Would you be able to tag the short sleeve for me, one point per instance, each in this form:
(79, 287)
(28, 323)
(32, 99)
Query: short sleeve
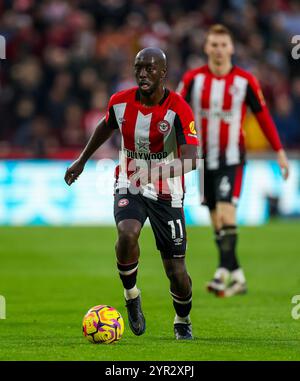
(254, 96)
(185, 86)
(186, 132)
(110, 116)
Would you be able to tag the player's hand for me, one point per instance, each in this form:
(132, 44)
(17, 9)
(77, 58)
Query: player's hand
(141, 175)
(74, 171)
(283, 163)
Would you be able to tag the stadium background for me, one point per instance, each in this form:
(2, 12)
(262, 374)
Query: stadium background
(65, 58)
(63, 61)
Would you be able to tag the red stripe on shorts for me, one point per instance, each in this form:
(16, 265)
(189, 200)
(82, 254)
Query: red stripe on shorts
(238, 181)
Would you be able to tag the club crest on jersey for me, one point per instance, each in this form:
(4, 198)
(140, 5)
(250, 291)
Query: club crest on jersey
(123, 202)
(163, 126)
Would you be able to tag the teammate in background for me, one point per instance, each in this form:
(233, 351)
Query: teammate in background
(155, 124)
(219, 94)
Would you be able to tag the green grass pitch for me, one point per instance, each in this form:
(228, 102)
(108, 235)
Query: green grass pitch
(50, 277)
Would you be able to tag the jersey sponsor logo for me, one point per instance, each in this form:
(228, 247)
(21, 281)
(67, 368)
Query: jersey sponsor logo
(123, 202)
(192, 128)
(224, 186)
(163, 126)
(146, 155)
(226, 116)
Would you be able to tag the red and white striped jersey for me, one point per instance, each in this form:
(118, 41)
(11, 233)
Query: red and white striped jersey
(220, 104)
(151, 135)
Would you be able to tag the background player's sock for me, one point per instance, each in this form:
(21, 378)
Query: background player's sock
(238, 275)
(222, 274)
(128, 274)
(227, 244)
(182, 305)
(217, 238)
(182, 320)
(218, 243)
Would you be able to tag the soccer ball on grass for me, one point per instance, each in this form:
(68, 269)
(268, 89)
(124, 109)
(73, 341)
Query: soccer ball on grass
(103, 324)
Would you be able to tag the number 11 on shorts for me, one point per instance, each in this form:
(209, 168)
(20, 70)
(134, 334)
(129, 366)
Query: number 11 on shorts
(173, 230)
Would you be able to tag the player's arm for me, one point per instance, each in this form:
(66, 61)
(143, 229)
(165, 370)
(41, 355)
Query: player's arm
(185, 86)
(188, 161)
(100, 135)
(256, 102)
(103, 131)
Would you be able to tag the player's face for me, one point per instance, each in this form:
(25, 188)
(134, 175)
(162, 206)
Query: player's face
(149, 75)
(219, 48)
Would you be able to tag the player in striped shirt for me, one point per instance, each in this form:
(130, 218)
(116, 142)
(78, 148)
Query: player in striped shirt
(159, 144)
(219, 94)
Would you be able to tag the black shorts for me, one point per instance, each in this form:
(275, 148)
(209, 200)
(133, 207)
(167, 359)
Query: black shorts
(167, 223)
(222, 185)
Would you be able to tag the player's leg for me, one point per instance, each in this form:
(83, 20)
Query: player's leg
(130, 217)
(168, 226)
(217, 284)
(128, 252)
(228, 248)
(226, 188)
(181, 293)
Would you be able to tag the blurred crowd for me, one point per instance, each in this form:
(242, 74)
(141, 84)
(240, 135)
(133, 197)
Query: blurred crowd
(65, 58)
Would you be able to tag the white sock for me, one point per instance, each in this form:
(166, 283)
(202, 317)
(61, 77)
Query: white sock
(238, 275)
(182, 320)
(131, 293)
(222, 274)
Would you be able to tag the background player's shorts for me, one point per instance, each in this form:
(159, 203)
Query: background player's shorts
(167, 223)
(222, 185)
